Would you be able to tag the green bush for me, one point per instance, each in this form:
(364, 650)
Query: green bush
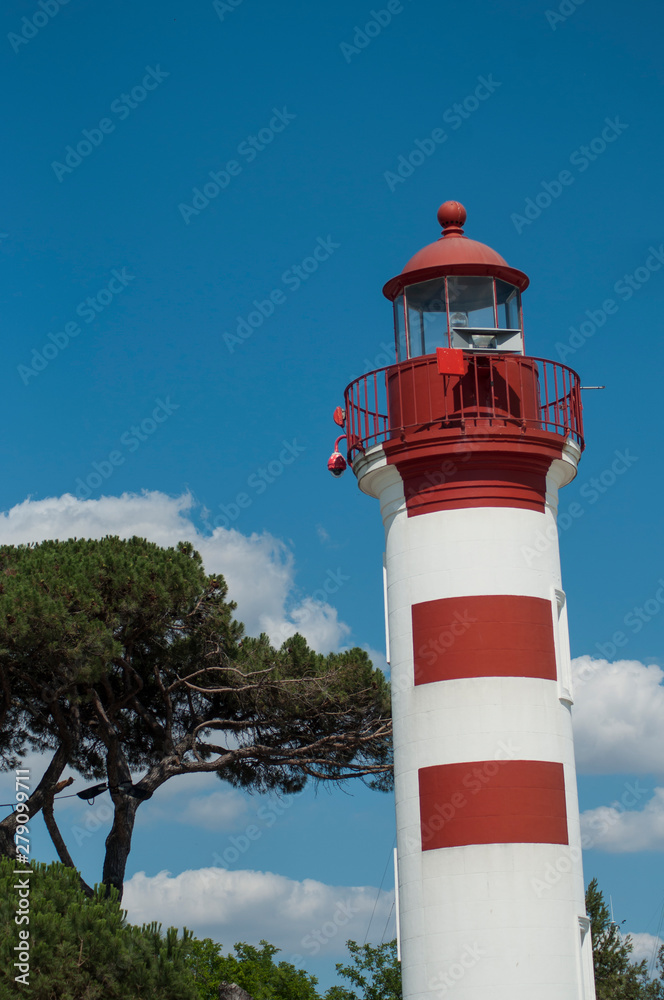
(251, 968)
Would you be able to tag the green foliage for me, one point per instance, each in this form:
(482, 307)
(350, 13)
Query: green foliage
(127, 633)
(337, 702)
(616, 977)
(251, 968)
(374, 972)
(99, 615)
(84, 949)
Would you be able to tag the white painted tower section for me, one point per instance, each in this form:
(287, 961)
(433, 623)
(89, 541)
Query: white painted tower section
(489, 921)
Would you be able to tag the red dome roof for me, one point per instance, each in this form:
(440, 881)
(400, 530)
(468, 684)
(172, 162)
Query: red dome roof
(454, 253)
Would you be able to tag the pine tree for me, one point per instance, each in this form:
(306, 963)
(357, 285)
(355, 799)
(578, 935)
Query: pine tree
(616, 976)
(118, 657)
(82, 948)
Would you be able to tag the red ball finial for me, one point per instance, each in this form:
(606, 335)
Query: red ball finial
(452, 216)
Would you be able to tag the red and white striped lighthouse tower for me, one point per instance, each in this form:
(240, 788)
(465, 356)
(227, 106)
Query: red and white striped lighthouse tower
(465, 441)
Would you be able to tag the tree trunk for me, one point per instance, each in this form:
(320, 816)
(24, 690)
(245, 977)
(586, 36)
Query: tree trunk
(118, 842)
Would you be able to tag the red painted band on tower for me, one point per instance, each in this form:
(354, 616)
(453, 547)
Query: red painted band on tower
(492, 802)
(483, 636)
(483, 481)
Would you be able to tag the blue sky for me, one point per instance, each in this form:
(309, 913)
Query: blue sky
(126, 371)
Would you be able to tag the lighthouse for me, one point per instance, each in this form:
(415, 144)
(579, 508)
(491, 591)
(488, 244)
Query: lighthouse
(466, 441)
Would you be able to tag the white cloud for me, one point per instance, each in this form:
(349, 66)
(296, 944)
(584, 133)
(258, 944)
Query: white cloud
(259, 569)
(304, 918)
(315, 619)
(618, 720)
(199, 800)
(618, 717)
(323, 534)
(224, 810)
(620, 829)
(646, 946)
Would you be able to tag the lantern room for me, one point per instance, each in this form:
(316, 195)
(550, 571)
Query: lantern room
(456, 293)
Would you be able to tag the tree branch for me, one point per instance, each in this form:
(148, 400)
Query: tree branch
(34, 803)
(59, 844)
(224, 669)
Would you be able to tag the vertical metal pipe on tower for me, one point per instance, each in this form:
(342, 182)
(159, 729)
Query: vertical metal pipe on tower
(465, 441)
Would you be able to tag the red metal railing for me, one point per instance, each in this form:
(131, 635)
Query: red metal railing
(501, 391)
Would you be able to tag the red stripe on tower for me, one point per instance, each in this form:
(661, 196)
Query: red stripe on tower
(492, 802)
(489, 479)
(483, 636)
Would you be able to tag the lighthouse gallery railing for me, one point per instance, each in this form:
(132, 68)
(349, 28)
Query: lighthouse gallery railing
(501, 391)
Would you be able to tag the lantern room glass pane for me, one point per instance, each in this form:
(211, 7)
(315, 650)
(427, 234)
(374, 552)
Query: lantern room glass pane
(427, 317)
(400, 328)
(471, 302)
(508, 298)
